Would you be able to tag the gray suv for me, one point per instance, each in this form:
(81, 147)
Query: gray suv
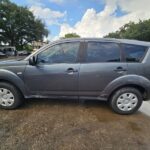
(111, 70)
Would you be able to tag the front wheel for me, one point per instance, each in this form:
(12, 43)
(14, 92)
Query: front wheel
(126, 101)
(10, 96)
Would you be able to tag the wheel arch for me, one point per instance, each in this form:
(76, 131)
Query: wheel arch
(142, 90)
(10, 82)
(139, 82)
(12, 78)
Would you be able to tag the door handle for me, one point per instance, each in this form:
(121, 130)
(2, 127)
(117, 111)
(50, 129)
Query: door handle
(120, 69)
(71, 70)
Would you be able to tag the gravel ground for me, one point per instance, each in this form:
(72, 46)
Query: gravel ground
(70, 125)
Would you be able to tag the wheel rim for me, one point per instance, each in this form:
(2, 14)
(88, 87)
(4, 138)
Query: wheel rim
(127, 101)
(6, 97)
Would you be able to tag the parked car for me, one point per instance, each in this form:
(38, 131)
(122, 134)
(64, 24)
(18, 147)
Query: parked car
(111, 70)
(8, 50)
(23, 53)
(2, 55)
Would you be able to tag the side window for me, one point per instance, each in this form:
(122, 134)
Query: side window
(134, 53)
(61, 53)
(103, 52)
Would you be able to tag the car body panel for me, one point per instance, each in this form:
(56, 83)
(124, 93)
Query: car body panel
(127, 80)
(98, 75)
(52, 79)
(14, 78)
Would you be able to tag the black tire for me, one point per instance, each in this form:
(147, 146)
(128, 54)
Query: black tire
(18, 98)
(114, 100)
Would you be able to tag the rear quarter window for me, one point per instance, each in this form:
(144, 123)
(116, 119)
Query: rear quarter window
(134, 53)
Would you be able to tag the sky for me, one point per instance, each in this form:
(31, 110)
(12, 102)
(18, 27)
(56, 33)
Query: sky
(88, 18)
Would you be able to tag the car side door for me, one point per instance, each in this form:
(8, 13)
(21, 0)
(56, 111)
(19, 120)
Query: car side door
(102, 64)
(56, 71)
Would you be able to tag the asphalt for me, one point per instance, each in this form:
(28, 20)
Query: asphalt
(45, 124)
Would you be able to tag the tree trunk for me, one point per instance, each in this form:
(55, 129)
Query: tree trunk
(12, 43)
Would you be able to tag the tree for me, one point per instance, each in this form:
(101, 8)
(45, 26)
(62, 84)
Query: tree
(18, 25)
(71, 35)
(131, 30)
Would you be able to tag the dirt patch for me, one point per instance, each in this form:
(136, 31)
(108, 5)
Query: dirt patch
(134, 126)
(65, 125)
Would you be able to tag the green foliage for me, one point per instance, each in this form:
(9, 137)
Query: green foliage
(28, 48)
(138, 31)
(71, 35)
(18, 26)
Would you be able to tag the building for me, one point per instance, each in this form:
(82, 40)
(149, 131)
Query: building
(38, 44)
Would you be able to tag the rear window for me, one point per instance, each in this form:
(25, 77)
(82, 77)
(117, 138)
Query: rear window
(103, 52)
(134, 53)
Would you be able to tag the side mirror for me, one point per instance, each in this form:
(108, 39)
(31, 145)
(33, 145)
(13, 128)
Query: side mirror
(33, 60)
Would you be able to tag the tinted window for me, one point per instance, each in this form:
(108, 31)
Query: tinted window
(62, 53)
(134, 53)
(103, 52)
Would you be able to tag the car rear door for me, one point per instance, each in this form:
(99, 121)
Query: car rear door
(102, 64)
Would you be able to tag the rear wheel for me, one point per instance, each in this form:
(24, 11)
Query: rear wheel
(10, 96)
(126, 101)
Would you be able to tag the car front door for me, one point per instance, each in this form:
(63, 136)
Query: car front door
(56, 71)
(103, 64)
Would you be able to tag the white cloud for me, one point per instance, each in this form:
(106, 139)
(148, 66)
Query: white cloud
(46, 14)
(51, 38)
(98, 24)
